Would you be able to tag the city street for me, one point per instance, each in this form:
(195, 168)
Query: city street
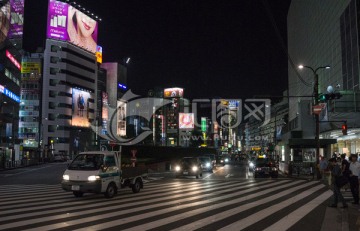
(224, 200)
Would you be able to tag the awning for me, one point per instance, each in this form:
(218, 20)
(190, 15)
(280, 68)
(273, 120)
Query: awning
(310, 143)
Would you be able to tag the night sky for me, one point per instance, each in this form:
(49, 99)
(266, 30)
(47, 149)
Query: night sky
(227, 48)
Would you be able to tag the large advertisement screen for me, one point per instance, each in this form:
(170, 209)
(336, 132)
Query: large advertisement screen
(12, 19)
(173, 92)
(186, 120)
(16, 18)
(69, 24)
(121, 118)
(104, 112)
(80, 108)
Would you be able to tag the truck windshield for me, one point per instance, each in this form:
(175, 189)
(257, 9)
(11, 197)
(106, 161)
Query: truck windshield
(87, 162)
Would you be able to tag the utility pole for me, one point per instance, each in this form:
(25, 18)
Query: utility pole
(317, 126)
(317, 121)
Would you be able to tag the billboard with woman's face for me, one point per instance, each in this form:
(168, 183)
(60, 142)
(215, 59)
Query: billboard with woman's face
(67, 23)
(80, 108)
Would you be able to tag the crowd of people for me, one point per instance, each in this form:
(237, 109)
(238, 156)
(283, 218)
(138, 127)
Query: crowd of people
(345, 172)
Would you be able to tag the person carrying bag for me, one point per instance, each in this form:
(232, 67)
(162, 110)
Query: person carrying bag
(338, 180)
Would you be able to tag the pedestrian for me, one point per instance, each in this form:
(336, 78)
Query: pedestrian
(345, 169)
(323, 165)
(336, 174)
(354, 178)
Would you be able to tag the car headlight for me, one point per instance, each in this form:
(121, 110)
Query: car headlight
(66, 177)
(273, 169)
(221, 161)
(226, 160)
(251, 165)
(208, 165)
(194, 168)
(177, 168)
(93, 178)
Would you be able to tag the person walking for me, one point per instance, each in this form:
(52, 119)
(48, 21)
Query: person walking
(323, 165)
(354, 178)
(336, 173)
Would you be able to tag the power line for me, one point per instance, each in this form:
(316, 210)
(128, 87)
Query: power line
(273, 23)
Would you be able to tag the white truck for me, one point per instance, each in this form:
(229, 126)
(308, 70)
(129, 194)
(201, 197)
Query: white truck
(98, 172)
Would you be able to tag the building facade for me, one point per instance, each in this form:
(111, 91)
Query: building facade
(69, 99)
(323, 33)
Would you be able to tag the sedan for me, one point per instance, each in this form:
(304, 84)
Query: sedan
(189, 166)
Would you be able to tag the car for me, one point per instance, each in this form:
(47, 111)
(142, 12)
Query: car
(251, 163)
(213, 158)
(59, 158)
(224, 159)
(265, 167)
(189, 166)
(206, 163)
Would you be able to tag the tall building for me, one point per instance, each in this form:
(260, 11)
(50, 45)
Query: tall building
(323, 33)
(11, 32)
(69, 81)
(30, 107)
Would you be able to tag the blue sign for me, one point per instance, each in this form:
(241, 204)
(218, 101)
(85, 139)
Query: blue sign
(9, 94)
(122, 86)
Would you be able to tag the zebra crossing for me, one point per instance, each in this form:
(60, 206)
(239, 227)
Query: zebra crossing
(182, 204)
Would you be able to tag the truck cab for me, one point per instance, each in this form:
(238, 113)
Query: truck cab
(98, 172)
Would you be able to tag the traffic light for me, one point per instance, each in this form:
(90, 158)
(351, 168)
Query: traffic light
(324, 97)
(344, 129)
(331, 96)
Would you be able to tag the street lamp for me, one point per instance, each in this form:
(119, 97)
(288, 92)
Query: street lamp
(317, 122)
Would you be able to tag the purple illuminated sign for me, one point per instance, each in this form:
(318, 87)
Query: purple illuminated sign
(69, 24)
(16, 18)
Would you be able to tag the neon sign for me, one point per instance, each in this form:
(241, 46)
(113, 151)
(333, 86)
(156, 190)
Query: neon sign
(13, 60)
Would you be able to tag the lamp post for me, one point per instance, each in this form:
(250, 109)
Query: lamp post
(317, 121)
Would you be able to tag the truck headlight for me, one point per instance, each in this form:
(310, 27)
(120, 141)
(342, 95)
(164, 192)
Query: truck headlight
(93, 178)
(208, 165)
(194, 168)
(177, 168)
(66, 177)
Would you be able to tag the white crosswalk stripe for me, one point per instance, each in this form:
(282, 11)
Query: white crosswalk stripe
(164, 205)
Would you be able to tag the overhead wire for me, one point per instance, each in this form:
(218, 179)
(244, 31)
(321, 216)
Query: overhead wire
(283, 47)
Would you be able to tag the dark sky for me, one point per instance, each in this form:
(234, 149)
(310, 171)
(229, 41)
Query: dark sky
(226, 48)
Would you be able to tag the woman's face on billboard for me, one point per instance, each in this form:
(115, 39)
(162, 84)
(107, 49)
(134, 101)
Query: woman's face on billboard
(86, 25)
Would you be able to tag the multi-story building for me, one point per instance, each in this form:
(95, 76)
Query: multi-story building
(30, 113)
(69, 98)
(11, 31)
(323, 33)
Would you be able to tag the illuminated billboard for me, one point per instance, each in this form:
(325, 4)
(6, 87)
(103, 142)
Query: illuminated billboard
(16, 19)
(121, 118)
(13, 59)
(5, 21)
(104, 112)
(9, 94)
(173, 92)
(98, 54)
(30, 67)
(70, 24)
(80, 108)
(186, 120)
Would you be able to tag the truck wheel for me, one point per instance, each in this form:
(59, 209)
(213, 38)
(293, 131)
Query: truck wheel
(136, 187)
(78, 194)
(110, 191)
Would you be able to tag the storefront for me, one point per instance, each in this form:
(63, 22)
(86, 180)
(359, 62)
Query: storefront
(349, 144)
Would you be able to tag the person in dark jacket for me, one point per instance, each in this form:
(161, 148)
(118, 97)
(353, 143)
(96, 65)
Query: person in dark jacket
(336, 172)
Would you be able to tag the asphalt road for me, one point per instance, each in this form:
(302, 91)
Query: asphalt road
(52, 174)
